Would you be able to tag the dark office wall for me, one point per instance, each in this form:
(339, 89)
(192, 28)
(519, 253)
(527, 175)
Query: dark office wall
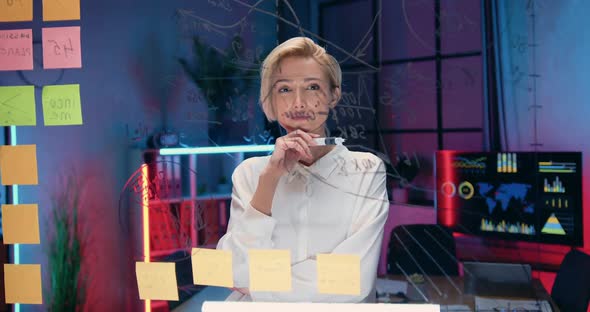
(544, 60)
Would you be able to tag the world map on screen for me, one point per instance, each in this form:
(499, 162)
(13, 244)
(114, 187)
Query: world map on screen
(504, 193)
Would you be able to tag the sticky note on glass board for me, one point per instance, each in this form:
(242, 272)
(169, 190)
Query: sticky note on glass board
(212, 267)
(16, 10)
(23, 283)
(18, 164)
(17, 106)
(270, 270)
(20, 224)
(61, 47)
(61, 105)
(61, 10)
(16, 49)
(339, 274)
(156, 280)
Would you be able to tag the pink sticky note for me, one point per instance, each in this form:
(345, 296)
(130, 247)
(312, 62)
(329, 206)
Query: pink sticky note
(16, 49)
(61, 47)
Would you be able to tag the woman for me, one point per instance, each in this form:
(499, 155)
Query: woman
(307, 198)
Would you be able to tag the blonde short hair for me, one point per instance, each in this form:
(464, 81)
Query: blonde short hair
(298, 46)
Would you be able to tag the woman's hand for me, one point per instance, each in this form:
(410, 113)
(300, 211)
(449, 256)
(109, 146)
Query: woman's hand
(289, 149)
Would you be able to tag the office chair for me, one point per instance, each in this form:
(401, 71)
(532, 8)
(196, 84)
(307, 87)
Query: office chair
(571, 289)
(423, 249)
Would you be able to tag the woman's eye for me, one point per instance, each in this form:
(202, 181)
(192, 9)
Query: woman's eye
(313, 87)
(283, 90)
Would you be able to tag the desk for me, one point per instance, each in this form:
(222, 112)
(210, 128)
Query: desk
(449, 295)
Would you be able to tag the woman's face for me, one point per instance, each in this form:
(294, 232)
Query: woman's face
(301, 94)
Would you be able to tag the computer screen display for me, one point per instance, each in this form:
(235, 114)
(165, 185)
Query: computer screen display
(530, 196)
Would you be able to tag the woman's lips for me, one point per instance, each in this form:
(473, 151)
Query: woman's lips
(300, 115)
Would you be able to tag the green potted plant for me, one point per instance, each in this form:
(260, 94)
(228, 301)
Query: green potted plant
(223, 186)
(67, 290)
(202, 189)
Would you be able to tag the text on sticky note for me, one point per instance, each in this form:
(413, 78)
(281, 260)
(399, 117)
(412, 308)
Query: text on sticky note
(270, 270)
(23, 283)
(212, 267)
(16, 49)
(18, 164)
(61, 105)
(61, 47)
(156, 280)
(17, 106)
(20, 224)
(16, 10)
(339, 274)
(61, 10)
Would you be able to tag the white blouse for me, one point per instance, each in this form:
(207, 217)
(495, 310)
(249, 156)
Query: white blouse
(337, 205)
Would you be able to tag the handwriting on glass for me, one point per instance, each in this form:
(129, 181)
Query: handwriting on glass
(138, 133)
(223, 4)
(346, 167)
(157, 188)
(262, 138)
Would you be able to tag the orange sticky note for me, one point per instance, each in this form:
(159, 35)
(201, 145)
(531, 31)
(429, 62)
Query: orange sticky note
(212, 267)
(23, 283)
(17, 106)
(61, 47)
(156, 280)
(61, 10)
(18, 164)
(270, 270)
(21, 224)
(339, 274)
(61, 105)
(16, 49)
(16, 10)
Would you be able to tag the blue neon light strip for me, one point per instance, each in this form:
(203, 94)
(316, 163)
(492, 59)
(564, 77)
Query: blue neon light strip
(15, 199)
(15, 187)
(16, 247)
(217, 149)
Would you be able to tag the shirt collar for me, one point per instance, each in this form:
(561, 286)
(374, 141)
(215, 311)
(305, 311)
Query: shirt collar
(324, 166)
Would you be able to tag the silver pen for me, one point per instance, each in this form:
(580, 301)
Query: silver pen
(329, 141)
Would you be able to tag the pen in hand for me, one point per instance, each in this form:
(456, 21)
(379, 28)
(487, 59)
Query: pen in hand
(329, 141)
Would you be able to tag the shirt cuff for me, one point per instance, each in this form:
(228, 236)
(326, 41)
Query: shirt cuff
(257, 223)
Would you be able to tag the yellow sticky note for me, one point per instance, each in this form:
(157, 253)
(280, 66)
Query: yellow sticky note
(61, 10)
(23, 283)
(17, 106)
(16, 10)
(270, 270)
(18, 164)
(21, 224)
(61, 105)
(212, 267)
(339, 274)
(156, 280)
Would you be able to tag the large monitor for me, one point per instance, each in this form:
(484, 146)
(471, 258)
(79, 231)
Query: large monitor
(530, 196)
